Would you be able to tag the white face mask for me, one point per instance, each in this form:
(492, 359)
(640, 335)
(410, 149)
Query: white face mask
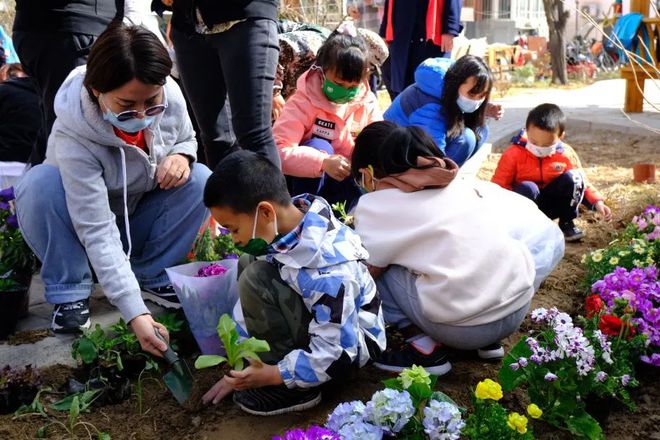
(541, 151)
(468, 105)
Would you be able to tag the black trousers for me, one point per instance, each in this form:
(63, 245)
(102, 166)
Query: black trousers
(49, 58)
(560, 199)
(238, 64)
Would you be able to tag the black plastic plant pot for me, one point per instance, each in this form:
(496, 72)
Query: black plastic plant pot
(13, 305)
(599, 408)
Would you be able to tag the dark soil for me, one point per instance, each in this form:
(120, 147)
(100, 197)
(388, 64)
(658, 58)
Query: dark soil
(28, 336)
(609, 169)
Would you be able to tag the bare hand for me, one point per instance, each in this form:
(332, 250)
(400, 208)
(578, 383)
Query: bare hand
(143, 326)
(447, 42)
(257, 375)
(337, 167)
(376, 271)
(219, 391)
(173, 171)
(278, 105)
(495, 111)
(604, 210)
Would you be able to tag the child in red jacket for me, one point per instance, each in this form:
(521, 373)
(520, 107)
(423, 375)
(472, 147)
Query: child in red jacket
(539, 166)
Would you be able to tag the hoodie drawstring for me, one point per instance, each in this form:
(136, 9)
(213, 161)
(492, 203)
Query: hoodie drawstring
(127, 225)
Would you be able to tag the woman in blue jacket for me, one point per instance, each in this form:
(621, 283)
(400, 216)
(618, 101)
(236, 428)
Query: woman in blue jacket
(450, 101)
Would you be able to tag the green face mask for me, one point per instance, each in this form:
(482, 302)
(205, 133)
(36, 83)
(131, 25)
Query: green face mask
(338, 94)
(258, 246)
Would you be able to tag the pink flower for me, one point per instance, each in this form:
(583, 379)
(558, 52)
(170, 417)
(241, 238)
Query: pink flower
(211, 270)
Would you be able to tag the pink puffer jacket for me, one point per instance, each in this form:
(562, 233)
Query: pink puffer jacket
(308, 113)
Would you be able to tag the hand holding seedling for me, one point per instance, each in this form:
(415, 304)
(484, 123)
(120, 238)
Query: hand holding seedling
(604, 210)
(256, 375)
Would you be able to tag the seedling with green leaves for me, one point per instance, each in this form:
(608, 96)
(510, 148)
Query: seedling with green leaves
(237, 351)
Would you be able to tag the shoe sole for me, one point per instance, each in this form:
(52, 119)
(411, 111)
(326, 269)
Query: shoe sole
(491, 354)
(574, 238)
(68, 330)
(438, 370)
(160, 300)
(300, 407)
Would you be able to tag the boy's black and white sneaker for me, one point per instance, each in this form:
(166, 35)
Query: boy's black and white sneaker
(492, 351)
(71, 317)
(276, 400)
(397, 360)
(571, 232)
(163, 296)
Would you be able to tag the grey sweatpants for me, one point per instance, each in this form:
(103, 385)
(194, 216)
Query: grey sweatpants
(401, 306)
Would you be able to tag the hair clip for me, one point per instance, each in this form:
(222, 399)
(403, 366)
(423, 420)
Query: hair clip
(347, 28)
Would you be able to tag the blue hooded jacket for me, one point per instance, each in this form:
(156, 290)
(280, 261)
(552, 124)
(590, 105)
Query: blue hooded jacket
(420, 105)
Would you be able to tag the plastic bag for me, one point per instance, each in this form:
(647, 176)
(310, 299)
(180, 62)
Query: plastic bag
(205, 299)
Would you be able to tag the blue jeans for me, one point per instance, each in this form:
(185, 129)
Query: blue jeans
(331, 190)
(163, 229)
(397, 288)
(463, 147)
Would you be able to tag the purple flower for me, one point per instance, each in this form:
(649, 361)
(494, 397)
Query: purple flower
(625, 379)
(550, 377)
(312, 433)
(4, 206)
(654, 359)
(7, 194)
(514, 366)
(12, 222)
(536, 359)
(601, 376)
(211, 270)
(522, 362)
(231, 257)
(223, 231)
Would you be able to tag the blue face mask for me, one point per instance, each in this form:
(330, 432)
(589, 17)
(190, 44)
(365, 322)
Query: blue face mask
(468, 105)
(130, 126)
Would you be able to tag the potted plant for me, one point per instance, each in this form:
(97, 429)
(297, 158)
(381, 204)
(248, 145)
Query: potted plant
(16, 267)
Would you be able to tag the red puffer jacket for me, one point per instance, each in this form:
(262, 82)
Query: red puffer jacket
(517, 165)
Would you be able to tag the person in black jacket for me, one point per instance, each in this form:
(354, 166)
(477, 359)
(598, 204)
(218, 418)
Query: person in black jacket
(52, 38)
(228, 49)
(19, 114)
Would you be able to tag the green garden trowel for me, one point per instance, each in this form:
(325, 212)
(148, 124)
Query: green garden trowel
(179, 379)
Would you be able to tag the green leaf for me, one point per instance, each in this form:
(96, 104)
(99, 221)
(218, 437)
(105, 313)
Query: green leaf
(41, 432)
(246, 354)
(103, 436)
(206, 361)
(225, 326)
(239, 364)
(585, 425)
(86, 350)
(74, 412)
(254, 344)
(508, 378)
(393, 384)
(442, 397)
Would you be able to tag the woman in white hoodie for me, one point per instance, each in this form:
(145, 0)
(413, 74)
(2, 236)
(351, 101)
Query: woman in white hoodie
(119, 188)
(456, 262)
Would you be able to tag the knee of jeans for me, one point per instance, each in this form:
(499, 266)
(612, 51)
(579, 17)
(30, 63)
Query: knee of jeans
(41, 187)
(199, 174)
(527, 189)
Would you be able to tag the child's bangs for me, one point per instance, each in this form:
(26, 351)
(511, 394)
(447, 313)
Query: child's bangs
(483, 83)
(350, 64)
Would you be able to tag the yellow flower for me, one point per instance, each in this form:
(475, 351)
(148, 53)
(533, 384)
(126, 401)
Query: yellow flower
(614, 261)
(534, 411)
(596, 256)
(638, 263)
(638, 249)
(623, 253)
(649, 261)
(517, 422)
(583, 259)
(488, 389)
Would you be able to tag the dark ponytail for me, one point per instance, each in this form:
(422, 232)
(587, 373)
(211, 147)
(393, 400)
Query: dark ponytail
(391, 149)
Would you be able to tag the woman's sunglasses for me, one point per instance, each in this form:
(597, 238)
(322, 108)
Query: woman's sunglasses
(131, 114)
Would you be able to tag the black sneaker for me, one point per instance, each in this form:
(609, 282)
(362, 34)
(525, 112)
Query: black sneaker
(398, 360)
(571, 232)
(163, 296)
(71, 317)
(276, 400)
(492, 351)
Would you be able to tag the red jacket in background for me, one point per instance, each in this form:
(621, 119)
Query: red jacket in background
(517, 165)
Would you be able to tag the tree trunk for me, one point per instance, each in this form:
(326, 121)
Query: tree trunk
(557, 18)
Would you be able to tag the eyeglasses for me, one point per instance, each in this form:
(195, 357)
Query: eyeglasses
(130, 114)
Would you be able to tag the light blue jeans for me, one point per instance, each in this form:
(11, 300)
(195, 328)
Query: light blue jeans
(401, 307)
(163, 229)
(463, 147)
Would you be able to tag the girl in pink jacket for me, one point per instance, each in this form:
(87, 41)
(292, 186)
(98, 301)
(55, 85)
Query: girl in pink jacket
(315, 132)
